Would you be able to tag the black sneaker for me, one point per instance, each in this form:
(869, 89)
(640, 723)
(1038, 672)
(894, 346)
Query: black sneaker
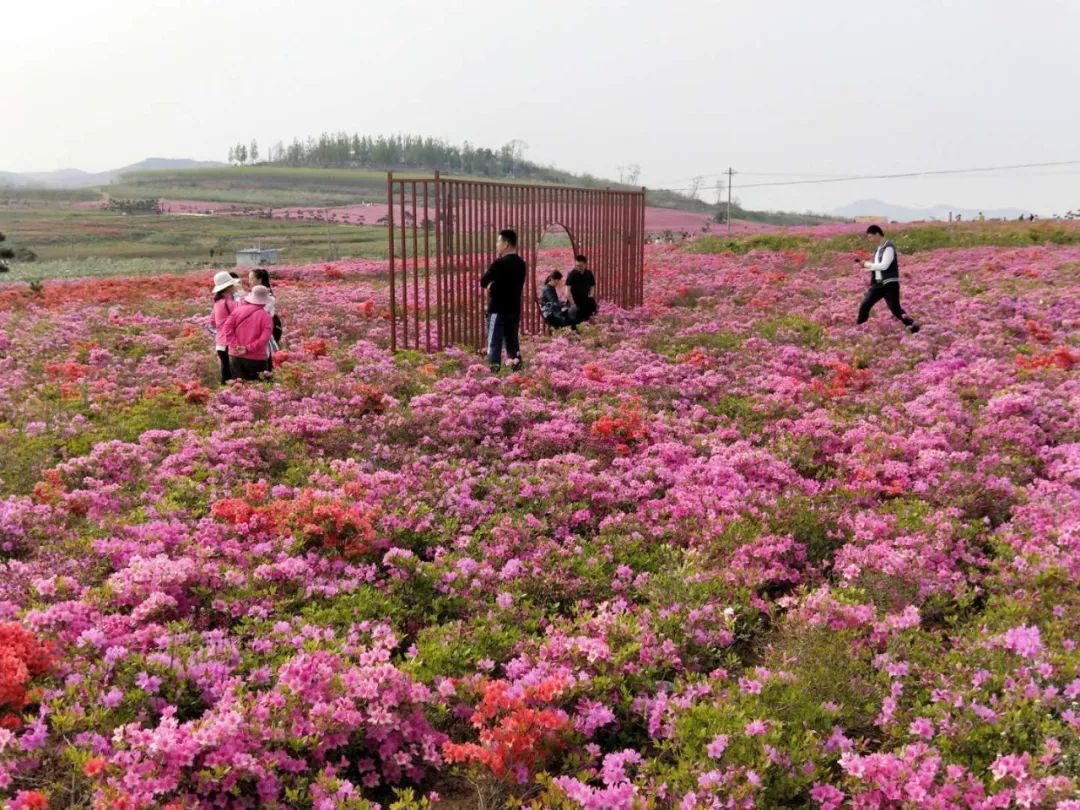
(914, 328)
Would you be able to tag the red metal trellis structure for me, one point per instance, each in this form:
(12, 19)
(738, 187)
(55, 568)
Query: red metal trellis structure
(442, 237)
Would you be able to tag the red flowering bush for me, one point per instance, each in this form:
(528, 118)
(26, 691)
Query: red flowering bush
(322, 520)
(316, 347)
(22, 657)
(69, 371)
(315, 519)
(29, 800)
(623, 428)
(367, 399)
(844, 377)
(194, 392)
(1061, 357)
(520, 730)
(1038, 332)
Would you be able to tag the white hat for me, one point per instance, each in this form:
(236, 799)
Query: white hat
(223, 279)
(259, 295)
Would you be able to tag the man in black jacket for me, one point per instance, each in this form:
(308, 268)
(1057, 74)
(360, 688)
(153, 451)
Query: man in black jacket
(884, 280)
(504, 281)
(582, 284)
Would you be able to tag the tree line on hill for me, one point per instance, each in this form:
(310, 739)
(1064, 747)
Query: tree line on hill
(392, 152)
(341, 150)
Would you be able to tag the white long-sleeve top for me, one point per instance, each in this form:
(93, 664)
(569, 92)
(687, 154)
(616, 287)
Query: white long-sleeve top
(883, 258)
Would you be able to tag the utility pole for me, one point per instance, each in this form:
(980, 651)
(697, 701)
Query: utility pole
(730, 172)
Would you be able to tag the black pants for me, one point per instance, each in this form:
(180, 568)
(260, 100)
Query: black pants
(226, 368)
(891, 294)
(503, 329)
(559, 320)
(244, 368)
(586, 308)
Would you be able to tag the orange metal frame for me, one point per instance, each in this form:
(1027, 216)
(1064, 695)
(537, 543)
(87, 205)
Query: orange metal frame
(442, 234)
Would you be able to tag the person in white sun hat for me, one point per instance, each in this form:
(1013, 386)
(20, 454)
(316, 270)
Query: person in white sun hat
(247, 333)
(226, 286)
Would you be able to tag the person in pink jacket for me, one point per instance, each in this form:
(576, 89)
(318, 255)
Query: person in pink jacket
(247, 332)
(225, 284)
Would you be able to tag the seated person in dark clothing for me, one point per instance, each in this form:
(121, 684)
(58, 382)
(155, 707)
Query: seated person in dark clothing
(556, 311)
(582, 285)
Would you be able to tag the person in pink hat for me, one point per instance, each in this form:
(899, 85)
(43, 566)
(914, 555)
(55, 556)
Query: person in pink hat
(247, 333)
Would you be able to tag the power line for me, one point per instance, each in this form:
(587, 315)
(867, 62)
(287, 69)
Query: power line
(934, 172)
(750, 174)
(894, 176)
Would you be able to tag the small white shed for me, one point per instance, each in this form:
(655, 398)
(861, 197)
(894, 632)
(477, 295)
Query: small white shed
(253, 257)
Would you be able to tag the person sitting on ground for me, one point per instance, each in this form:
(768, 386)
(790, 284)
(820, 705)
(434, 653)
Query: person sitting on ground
(884, 280)
(556, 312)
(247, 332)
(582, 284)
(225, 287)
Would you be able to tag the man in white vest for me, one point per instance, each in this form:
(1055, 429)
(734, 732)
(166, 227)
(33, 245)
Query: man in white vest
(884, 280)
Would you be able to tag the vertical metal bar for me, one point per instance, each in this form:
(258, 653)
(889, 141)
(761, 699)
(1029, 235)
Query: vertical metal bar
(496, 214)
(623, 264)
(641, 252)
(628, 240)
(405, 272)
(542, 216)
(631, 247)
(416, 271)
(615, 253)
(594, 217)
(390, 257)
(500, 215)
(628, 229)
(452, 304)
(481, 252)
(601, 241)
(580, 214)
(487, 239)
(427, 267)
(474, 283)
(505, 216)
(446, 187)
(586, 226)
(532, 207)
(612, 241)
(459, 258)
(466, 273)
(438, 264)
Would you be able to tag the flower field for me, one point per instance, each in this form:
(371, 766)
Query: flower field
(725, 551)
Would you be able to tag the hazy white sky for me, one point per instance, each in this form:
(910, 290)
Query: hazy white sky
(681, 87)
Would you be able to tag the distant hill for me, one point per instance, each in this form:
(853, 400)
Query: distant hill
(77, 178)
(901, 213)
